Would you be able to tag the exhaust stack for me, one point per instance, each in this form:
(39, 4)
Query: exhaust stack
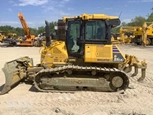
(47, 30)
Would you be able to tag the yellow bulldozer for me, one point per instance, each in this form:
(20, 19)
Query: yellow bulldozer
(144, 35)
(80, 57)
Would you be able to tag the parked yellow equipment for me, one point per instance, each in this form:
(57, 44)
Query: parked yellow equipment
(115, 39)
(2, 36)
(144, 34)
(84, 59)
(7, 37)
(127, 33)
(147, 34)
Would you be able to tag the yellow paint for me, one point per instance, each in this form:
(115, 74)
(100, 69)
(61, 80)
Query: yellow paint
(98, 53)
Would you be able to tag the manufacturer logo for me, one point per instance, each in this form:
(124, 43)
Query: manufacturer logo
(116, 58)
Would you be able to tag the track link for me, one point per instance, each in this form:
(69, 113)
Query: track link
(107, 76)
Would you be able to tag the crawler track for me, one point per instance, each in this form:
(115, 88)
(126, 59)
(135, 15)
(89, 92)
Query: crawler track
(60, 79)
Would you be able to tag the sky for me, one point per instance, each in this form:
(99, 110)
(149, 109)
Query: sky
(37, 11)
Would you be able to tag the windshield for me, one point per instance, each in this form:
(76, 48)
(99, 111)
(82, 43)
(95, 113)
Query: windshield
(95, 30)
(73, 34)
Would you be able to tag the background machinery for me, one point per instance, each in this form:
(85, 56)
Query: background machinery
(147, 33)
(127, 33)
(80, 58)
(28, 39)
(58, 30)
(144, 34)
(2, 36)
(115, 39)
(9, 38)
(40, 40)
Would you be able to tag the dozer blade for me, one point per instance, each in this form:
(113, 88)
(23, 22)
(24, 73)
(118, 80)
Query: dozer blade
(15, 71)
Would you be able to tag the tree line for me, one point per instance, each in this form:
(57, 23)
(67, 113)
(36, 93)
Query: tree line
(19, 31)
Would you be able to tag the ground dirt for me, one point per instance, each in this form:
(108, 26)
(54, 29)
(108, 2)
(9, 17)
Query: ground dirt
(24, 100)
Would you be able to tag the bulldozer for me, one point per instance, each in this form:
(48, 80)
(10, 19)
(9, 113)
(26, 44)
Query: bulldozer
(80, 57)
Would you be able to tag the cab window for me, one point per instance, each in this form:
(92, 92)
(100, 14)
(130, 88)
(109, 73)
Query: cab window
(95, 30)
(73, 34)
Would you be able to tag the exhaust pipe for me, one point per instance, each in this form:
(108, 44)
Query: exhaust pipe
(47, 30)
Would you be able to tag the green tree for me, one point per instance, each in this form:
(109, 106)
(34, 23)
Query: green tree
(115, 30)
(41, 29)
(19, 31)
(52, 25)
(150, 18)
(33, 31)
(124, 24)
(137, 21)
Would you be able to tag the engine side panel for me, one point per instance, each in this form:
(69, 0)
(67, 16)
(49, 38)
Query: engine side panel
(103, 53)
(55, 53)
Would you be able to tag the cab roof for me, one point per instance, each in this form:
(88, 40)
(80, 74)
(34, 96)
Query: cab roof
(91, 16)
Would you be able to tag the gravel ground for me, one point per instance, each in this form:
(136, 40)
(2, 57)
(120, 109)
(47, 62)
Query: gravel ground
(23, 100)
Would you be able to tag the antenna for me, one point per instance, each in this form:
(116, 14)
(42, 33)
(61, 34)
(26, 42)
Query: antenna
(120, 14)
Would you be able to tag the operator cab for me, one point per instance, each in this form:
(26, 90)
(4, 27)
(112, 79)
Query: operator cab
(80, 32)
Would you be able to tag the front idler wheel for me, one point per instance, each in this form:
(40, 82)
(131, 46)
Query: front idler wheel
(119, 82)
